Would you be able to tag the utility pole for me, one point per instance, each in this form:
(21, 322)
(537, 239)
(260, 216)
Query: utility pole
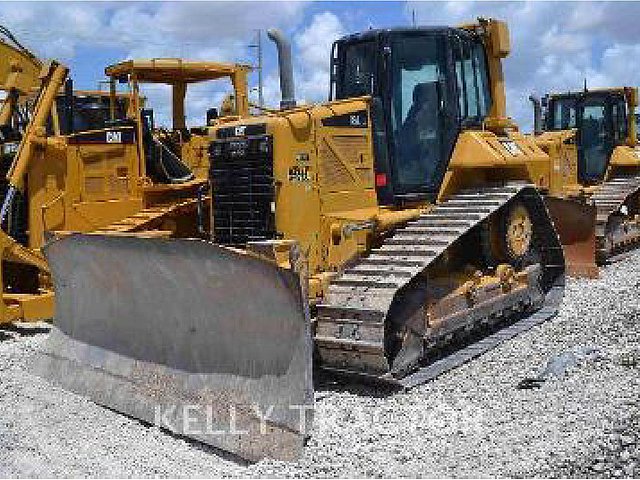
(258, 46)
(413, 17)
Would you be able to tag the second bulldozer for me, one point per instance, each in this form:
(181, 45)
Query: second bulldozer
(594, 191)
(394, 230)
(95, 161)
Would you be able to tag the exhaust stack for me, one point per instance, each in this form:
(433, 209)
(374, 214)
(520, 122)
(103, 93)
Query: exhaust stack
(537, 114)
(285, 66)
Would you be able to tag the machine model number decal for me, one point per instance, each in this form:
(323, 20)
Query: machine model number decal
(511, 147)
(359, 119)
(299, 174)
(239, 131)
(113, 137)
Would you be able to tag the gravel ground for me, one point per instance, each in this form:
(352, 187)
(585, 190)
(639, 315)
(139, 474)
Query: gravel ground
(471, 422)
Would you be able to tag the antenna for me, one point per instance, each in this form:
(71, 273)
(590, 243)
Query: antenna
(258, 46)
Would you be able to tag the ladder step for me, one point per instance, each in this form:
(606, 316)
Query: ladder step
(348, 280)
(415, 240)
(382, 270)
(406, 251)
(387, 260)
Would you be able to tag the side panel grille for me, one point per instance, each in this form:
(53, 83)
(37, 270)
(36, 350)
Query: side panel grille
(242, 183)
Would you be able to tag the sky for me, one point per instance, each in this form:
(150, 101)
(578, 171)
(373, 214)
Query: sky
(555, 46)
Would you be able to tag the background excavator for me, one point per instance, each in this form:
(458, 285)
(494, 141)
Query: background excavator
(19, 76)
(83, 161)
(594, 193)
(392, 233)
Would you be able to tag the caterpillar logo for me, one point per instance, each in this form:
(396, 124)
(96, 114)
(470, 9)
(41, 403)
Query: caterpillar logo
(114, 137)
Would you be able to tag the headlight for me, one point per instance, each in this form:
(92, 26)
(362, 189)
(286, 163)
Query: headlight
(263, 145)
(216, 150)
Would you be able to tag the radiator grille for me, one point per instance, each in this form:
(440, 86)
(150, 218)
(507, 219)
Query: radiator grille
(242, 184)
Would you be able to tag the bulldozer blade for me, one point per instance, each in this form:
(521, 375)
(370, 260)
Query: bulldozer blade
(208, 342)
(575, 223)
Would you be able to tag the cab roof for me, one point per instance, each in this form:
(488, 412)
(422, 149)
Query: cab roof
(577, 93)
(173, 70)
(375, 33)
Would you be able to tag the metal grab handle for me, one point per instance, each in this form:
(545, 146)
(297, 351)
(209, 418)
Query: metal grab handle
(47, 206)
(7, 202)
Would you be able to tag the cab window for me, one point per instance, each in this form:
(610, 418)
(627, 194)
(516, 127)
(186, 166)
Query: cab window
(358, 74)
(619, 118)
(417, 68)
(472, 78)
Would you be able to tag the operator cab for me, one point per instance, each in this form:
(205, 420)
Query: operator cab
(174, 155)
(83, 111)
(600, 118)
(427, 84)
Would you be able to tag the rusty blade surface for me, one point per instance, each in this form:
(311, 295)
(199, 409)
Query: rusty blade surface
(575, 223)
(196, 338)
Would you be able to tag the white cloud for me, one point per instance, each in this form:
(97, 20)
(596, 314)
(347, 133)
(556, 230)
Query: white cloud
(54, 29)
(555, 40)
(193, 29)
(216, 31)
(312, 47)
(314, 42)
(619, 64)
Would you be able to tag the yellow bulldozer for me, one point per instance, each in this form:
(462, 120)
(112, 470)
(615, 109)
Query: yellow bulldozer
(594, 192)
(389, 234)
(94, 161)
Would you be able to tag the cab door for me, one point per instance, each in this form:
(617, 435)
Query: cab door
(595, 139)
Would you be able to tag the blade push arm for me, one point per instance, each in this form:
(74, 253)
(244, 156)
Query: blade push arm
(52, 77)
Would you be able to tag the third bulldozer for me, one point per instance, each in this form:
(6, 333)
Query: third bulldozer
(594, 191)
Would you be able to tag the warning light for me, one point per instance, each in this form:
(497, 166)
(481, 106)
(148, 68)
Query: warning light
(381, 179)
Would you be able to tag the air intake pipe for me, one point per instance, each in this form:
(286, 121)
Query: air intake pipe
(537, 114)
(285, 66)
